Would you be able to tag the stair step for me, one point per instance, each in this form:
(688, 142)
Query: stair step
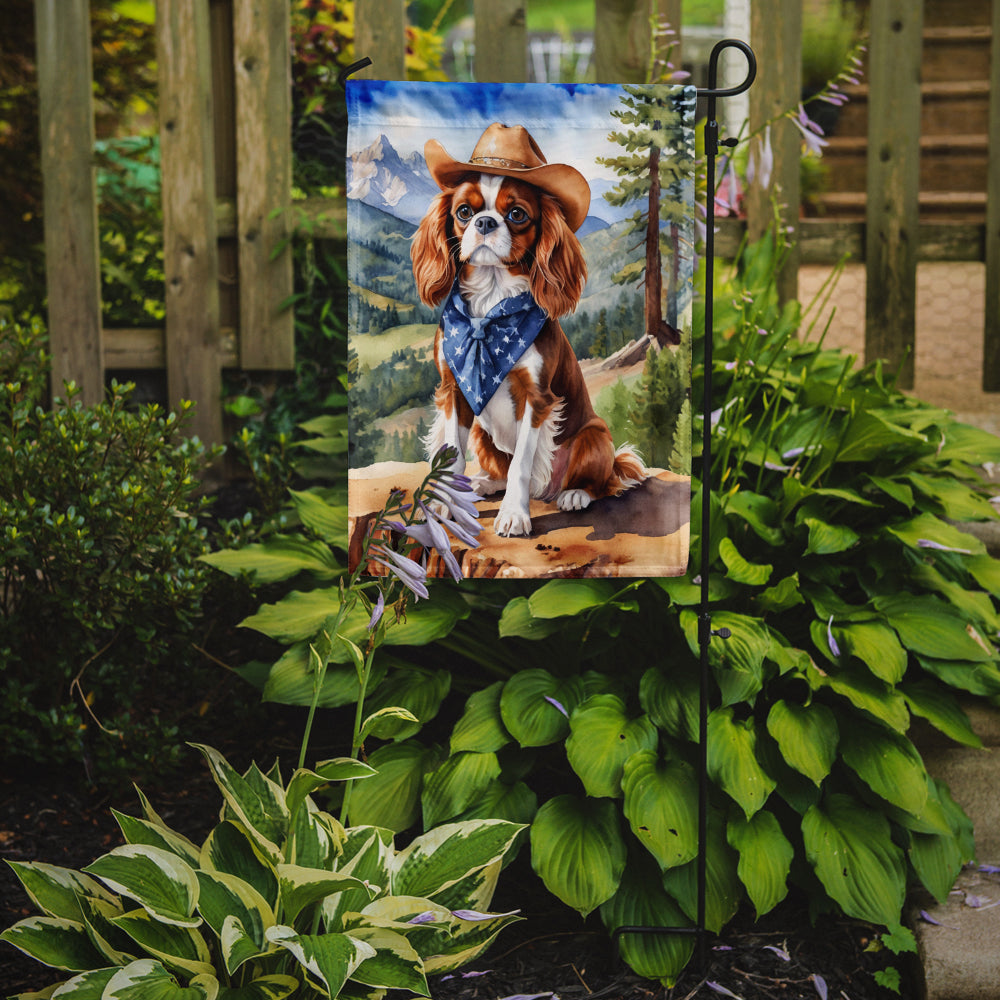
(967, 206)
(956, 53)
(944, 102)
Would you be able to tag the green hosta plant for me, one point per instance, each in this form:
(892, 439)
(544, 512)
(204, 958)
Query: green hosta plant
(279, 900)
(855, 605)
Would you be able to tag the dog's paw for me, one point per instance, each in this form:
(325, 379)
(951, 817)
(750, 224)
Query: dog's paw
(486, 487)
(512, 522)
(573, 500)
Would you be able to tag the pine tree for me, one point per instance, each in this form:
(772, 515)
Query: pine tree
(653, 171)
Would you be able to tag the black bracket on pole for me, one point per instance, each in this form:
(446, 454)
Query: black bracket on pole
(705, 630)
(354, 67)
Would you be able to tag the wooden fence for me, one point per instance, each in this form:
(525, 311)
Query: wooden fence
(224, 109)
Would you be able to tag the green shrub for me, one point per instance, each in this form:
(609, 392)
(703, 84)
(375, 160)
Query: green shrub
(101, 584)
(279, 900)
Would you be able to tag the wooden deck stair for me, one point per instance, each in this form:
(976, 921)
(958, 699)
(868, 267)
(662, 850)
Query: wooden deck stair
(955, 93)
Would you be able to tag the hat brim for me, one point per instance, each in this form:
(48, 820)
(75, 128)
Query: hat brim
(564, 183)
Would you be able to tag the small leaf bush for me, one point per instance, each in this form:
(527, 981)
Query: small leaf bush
(855, 605)
(101, 584)
(279, 900)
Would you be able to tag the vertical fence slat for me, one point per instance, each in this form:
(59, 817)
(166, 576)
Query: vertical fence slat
(501, 37)
(261, 57)
(991, 333)
(72, 257)
(621, 40)
(776, 35)
(380, 34)
(893, 183)
(190, 253)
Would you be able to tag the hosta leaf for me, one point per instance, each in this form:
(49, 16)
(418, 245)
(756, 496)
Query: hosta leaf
(578, 851)
(876, 646)
(230, 849)
(807, 736)
(417, 690)
(225, 897)
(986, 571)
(147, 979)
(530, 706)
(481, 728)
(304, 782)
(828, 539)
(560, 598)
(928, 528)
(758, 511)
(327, 520)
(367, 856)
(738, 661)
(98, 916)
(957, 501)
(732, 760)
(941, 709)
(517, 620)
(466, 941)
(301, 887)
(159, 881)
(330, 959)
(456, 784)
(395, 964)
(866, 692)
(739, 569)
(388, 723)
(931, 628)
(765, 858)
(391, 798)
(516, 803)
(723, 889)
(870, 435)
(671, 700)
(661, 800)
(441, 857)
(177, 947)
(888, 763)
(783, 595)
(279, 558)
(87, 986)
(602, 738)
(976, 678)
(54, 941)
(56, 891)
(937, 860)
(850, 848)
(641, 901)
(260, 809)
(141, 831)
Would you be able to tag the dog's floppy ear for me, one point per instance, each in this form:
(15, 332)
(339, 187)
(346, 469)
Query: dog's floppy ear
(433, 264)
(559, 271)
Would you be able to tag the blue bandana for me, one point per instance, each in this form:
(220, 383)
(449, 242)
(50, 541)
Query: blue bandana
(481, 350)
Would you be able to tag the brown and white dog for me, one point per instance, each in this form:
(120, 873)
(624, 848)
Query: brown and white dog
(504, 225)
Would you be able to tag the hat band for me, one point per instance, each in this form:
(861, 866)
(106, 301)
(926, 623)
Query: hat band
(498, 161)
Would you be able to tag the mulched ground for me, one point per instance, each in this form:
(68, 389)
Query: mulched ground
(57, 820)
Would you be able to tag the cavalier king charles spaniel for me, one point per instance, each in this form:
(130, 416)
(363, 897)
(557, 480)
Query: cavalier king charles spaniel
(498, 247)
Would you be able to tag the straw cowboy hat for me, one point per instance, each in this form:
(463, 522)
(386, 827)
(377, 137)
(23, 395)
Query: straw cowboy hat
(509, 151)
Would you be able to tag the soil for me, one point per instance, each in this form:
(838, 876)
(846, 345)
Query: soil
(550, 953)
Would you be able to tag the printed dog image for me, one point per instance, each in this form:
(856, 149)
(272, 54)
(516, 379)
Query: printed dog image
(498, 247)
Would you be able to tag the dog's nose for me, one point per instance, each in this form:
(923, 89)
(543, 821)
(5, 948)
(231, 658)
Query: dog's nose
(486, 224)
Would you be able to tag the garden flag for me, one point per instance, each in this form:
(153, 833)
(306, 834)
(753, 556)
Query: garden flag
(520, 260)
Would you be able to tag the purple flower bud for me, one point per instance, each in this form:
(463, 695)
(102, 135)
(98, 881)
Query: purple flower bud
(377, 612)
(411, 574)
(558, 705)
(427, 917)
(834, 648)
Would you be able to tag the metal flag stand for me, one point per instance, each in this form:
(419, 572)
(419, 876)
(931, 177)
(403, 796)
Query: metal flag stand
(705, 631)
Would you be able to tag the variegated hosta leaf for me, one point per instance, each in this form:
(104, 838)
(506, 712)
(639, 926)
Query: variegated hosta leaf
(56, 891)
(661, 805)
(141, 831)
(732, 760)
(158, 880)
(256, 801)
(329, 959)
(602, 737)
(578, 851)
(116, 946)
(468, 939)
(177, 947)
(441, 857)
(481, 727)
(851, 849)
(765, 858)
(315, 838)
(300, 887)
(230, 849)
(54, 941)
(456, 784)
(475, 891)
(807, 736)
(367, 853)
(149, 980)
(642, 902)
(225, 897)
(395, 964)
(86, 986)
(304, 782)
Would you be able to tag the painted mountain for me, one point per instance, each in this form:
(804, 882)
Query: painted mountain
(401, 185)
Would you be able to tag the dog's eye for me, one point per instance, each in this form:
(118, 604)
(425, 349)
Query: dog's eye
(464, 212)
(517, 214)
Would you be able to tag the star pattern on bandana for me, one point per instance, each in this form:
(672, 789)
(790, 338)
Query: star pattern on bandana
(481, 350)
